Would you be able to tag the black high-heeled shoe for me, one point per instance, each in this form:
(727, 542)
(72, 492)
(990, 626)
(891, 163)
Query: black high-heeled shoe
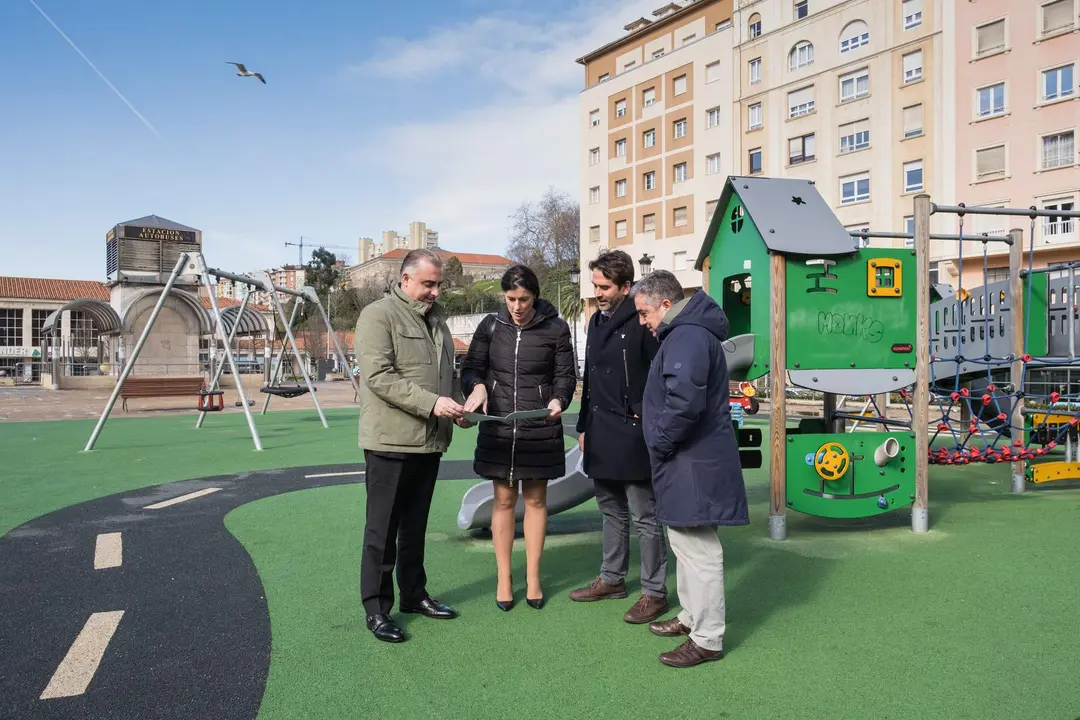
(506, 605)
(537, 604)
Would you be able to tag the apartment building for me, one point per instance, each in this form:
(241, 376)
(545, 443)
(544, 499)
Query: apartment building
(419, 236)
(386, 268)
(1017, 117)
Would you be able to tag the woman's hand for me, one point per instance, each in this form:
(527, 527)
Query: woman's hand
(556, 408)
(477, 399)
(463, 423)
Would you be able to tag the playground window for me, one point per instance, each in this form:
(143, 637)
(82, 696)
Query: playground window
(883, 277)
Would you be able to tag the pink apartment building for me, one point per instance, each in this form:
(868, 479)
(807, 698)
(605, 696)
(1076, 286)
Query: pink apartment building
(1017, 117)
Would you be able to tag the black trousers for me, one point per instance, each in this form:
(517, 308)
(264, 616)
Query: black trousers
(399, 491)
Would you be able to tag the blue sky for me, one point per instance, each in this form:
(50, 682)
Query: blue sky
(452, 113)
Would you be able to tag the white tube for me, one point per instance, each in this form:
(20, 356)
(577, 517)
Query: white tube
(886, 451)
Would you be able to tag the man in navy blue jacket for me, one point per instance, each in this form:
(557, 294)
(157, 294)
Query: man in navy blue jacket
(694, 455)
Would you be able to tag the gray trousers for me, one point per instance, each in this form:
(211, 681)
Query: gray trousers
(619, 501)
(699, 577)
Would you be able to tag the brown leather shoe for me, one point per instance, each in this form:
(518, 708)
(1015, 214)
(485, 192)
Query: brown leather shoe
(669, 628)
(646, 609)
(689, 654)
(599, 590)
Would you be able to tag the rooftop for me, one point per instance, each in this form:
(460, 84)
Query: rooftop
(664, 15)
(465, 258)
(52, 289)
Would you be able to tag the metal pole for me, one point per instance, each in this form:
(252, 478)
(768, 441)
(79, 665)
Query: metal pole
(778, 400)
(309, 294)
(296, 350)
(1016, 369)
(1018, 212)
(920, 513)
(984, 237)
(228, 350)
(221, 366)
(130, 364)
(276, 375)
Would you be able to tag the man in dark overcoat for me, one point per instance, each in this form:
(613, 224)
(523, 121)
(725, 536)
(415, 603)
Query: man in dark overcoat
(695, 457)
(617, 357)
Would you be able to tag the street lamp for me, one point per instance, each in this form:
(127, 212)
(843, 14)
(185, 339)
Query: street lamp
(575, 275)
(646, 264)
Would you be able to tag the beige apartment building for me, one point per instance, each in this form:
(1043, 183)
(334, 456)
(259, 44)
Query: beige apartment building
(386, 268)
(418, 237)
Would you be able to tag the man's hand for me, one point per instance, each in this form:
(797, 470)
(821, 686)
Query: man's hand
(581, 442)
(463, 423)
(447, 408)
(556, 409)
(477, 399)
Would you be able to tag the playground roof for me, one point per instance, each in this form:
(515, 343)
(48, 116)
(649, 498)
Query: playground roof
(158, 222)
(105, 319)
(789, 214)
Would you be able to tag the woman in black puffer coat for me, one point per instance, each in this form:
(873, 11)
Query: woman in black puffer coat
(520, 359)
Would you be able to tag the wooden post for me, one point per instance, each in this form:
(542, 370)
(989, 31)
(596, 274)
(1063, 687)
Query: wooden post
(778, 398)
(1016, 370)
(920, 517)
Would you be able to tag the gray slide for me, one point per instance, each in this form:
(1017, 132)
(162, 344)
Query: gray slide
(563, 493)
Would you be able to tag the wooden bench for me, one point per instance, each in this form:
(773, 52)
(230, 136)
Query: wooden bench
(161, 386)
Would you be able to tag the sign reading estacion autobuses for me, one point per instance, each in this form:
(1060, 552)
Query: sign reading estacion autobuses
(135, 232)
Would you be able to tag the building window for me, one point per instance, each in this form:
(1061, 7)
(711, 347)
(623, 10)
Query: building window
(755, 161)
(678, 85)
(594, 156)
(680, 128)
(604, 78)
(680, 216)
(649, 97)
(755, 71)
(754, 26)
(594, 118)
(620, 229)
(1058, 83)
(620, 188)
(712, 117)
(913, 176)
(990, 163)
(801, 102)
(650, 180)
(594, 233)
(855, 85)
(620, 108)
(854, 36)
(629, 65)
(854, 188)
(801, 149)
(912, 10)
(913, 66)
(689, 38)
(710, 208)
(855, 136)
(1057, 17)
(1058, 150)
(594, 195)
(680, 172)
(909, 229)
(713, 163)
(712, 72)
(84, 335)
(722, 25)
(620, 148)
(802, 9)
(1057, 226)
(990, 38)
(657, 54)
(11, 327)
(913, 121)
(648, 138)
(802, 55)
(754, 116)
(991, 100)
(648, 223)
(37, 320)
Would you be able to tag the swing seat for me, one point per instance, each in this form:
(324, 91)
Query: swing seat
(211, 400)
(285, 391)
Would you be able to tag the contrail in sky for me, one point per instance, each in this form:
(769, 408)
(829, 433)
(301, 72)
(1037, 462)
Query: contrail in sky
(94, 67)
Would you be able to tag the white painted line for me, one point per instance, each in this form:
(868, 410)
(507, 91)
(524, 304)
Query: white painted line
(109, 551)
(340, 474)
(81, 662)
(182, 498)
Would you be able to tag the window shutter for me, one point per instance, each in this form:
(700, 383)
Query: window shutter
(799, 97)
(1057, 16)
(990, 161)
(989, 37)
(912, 119)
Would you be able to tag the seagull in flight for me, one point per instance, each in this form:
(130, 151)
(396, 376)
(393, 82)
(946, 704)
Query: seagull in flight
(244, 72)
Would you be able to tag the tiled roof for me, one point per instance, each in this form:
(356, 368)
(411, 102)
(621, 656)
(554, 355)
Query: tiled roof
(474, 258)
(229, 302)
(50, 289)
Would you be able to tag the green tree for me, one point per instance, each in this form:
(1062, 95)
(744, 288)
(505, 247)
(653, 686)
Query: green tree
(453, 273)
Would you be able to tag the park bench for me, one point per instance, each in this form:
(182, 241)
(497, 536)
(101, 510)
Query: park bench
(161, 386)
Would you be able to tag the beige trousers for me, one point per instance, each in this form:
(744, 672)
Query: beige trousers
(699, 576)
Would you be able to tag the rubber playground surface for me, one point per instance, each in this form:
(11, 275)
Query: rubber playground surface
(243, 600)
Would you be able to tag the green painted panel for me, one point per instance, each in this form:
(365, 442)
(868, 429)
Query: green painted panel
(739, 254)
(856, 494)
(1038, 338)
(849, 327)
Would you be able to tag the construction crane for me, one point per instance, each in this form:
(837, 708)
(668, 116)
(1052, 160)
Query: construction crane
(300, 246)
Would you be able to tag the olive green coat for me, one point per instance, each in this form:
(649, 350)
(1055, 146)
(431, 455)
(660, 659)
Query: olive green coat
(406, 363)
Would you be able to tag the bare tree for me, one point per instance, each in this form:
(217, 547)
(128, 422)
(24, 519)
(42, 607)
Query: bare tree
(545, 234)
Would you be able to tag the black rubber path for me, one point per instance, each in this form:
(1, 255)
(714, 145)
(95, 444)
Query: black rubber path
(194, 640)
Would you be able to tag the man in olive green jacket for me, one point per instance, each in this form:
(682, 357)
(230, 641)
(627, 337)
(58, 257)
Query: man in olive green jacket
(406, 364)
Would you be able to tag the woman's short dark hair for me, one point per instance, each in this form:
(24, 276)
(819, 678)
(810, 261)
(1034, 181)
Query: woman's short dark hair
(520, 276)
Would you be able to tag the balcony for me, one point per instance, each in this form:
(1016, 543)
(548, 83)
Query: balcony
(1059, 231)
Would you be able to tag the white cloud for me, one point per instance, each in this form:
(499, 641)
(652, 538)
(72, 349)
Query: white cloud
(466, 171)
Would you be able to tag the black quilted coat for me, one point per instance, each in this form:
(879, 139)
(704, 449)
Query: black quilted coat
(523, 369)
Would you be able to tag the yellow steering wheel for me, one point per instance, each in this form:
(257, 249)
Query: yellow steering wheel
(831, 461)
(747, 389)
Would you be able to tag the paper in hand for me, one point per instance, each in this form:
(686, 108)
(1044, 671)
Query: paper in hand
(520, 415)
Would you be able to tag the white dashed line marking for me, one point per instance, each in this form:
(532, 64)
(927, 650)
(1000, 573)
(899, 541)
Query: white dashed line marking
(182, 498)
(81, 662)
(340, 474)
(109, 551)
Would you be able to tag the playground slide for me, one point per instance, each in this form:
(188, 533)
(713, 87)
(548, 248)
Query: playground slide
(563, 493)
(739, 353)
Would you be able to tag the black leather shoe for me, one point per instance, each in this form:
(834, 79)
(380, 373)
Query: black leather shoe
(429, 607)
(505, 605)
(537, 604)
(384, 628)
